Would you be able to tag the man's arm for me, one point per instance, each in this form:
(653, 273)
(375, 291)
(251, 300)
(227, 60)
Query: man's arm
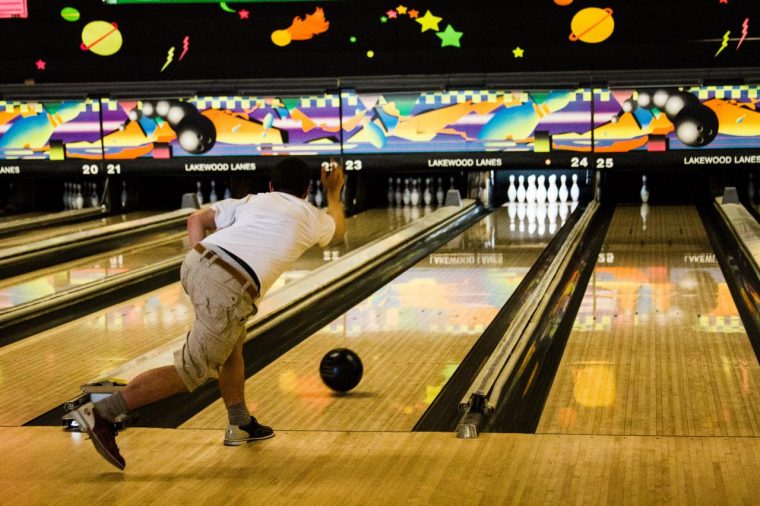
(332, 181)
(199, 223)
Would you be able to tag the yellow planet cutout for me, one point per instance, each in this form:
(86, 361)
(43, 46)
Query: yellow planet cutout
(592, 25)
(101, 37)
(281, 37)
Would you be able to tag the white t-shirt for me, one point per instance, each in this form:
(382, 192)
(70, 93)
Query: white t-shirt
(269, 231)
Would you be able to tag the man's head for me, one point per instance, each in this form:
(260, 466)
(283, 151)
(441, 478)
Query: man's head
(290, 175)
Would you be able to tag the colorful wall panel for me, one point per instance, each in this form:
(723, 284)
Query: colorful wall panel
(467, 121)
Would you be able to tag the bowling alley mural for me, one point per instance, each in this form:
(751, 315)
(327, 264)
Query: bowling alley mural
(221, 126)
(662, 119)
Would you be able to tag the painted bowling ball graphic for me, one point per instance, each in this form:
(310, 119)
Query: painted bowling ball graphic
(592, 25)
(196, 134)
(696, 125)
(101, 37)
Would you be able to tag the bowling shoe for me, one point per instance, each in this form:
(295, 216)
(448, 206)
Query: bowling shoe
(236, 435)
(102, 433)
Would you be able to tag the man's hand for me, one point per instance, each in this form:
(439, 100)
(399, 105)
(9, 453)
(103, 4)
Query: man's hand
(333, 178)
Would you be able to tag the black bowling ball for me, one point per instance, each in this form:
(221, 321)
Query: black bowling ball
(341, 369)
(696, 125)
(196, 134)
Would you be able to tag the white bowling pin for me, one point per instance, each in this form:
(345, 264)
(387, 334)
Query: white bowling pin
(415, 195)
(553, 192)
(94, 196)
(563, 193)
(520, 189)
(407, 195)
(397, 196)
(390, 193)
(227, 193)
(79, 202)
(575, 192)
(439, 193)
(123, 194)
(212, 196)
(427, 195)
(644, 190)
(541, 190)
(511, 191)
(530, 192)
(319, 197)
(199, 193)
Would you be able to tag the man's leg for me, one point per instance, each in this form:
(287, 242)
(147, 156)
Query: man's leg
(151, 386)
(242, 427)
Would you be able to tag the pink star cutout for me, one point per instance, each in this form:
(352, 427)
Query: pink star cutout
(392, 14)
(243, 13)
(724, 1)
(40, 64)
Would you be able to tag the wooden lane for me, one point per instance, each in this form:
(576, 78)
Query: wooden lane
(44, 465)
(657, 347)
(411, 335)
(43, 371)
(41, 233)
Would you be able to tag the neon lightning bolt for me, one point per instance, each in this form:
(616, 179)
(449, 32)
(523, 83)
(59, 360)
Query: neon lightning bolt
(169, 58)
(724, 43)
(745, 29)
(185, 46)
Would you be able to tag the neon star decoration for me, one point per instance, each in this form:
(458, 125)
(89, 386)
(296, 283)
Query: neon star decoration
(243, 13)
(449, 37)
(518, 52)
(40, 64)
(429, 22)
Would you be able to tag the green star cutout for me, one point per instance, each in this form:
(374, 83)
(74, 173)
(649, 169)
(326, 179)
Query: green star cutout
(383, 19)
(449, 37)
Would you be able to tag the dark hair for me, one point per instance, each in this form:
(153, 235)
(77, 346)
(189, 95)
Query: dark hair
(291, 175)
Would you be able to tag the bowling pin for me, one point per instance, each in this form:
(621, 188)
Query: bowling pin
(390, 193)
(553, 192)
(511, 191)
(94, 196)
(123, 194)
(530, 192)
(79, 197)
(65, 195)
(397, 196)
(541, 191)
(644, 193)
(415, 195)
(439, 193)
(520, 189)
(319, 197)
(644, 211)
(575, 192)
(199, 193)
(212, 196)
(563, 193)
(407, 195)
(427, 196)
(227, 193)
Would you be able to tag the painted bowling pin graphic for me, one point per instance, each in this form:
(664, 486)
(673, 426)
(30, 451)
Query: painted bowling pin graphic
(644, 190)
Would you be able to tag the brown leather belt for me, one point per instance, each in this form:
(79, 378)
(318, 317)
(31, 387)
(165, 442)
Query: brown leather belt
(251, 287)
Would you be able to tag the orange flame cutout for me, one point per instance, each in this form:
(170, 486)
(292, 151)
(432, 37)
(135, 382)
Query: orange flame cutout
(302, 29)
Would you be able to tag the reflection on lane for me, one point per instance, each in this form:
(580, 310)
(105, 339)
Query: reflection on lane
(39, 234)
(657, 346)
(36, 285)
(411, 336)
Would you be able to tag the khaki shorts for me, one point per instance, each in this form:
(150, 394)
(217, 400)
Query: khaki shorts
(222, 307)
